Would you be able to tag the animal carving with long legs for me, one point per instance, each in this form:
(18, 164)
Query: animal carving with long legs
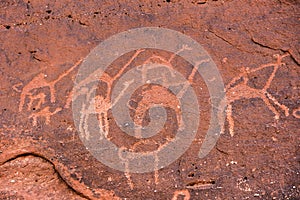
(100, 104)
(40, 82)
(154, 96)
(238, 89)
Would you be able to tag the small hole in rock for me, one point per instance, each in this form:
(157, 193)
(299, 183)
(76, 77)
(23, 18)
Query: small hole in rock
(82, 23)
(33, 108)
(48, 11)
(7, 27)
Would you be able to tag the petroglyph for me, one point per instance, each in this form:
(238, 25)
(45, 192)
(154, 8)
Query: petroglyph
(171, 69)
(184, 193)
(238, 89)
(40, 98)
(152, 97)
(100, 105)
(126, 159)
(126, 163)
(37, 99)
(96, 64)
(161, 60)
(40, 82)
(44, 113)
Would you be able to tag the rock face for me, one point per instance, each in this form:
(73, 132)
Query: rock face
(255, 46)
(33, 177)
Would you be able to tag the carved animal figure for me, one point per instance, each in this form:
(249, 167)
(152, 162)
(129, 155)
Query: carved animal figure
(241, 90)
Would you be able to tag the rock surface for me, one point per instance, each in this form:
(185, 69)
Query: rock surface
(257, 157)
